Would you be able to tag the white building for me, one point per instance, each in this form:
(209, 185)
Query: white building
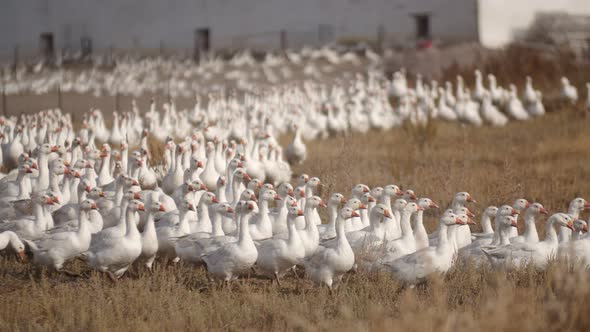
(151, 24)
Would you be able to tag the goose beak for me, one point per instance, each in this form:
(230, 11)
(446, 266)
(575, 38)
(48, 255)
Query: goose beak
(229, 210)
(433, 206)
(253, 198)
(527, 205)
(470, 221)
(514, 212)
(398, 192)
(294, 204)
(277, 198)
(470, 214)
(371, 199)
(21, 255)
(199, 164)
(34, 166)
(140, 207)
(240, 164)
(102, 155)
(355, 214)
(215, 200)
(93, 206)
(54, 148)
(362, 207)
(136, 196)
(458, 221)
(87, 189)
(586, 206)
(291, 193)
(102, 194)
(585, 229)
(203, 186)
(190, 187)
(514, 224)
(470, 199)
(299, 212)
(28, 170)
(387, 214)
(301, 193)
(49, 201)
(247, 177)
(190, 207)
(67, 171)
(162, 208)
(365, 190)
(322, 204)
(570, 225)
(343, 200)
(543, 211)
(135, 182)
(420, 208)
(413, 196)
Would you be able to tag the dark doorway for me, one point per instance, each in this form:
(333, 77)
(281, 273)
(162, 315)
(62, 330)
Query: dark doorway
(46, 44)
(422, 26)
(202, 42)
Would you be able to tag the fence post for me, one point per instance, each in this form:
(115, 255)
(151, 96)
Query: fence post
(59, 96)
(15, 61)
(283, 40)
(4, 111)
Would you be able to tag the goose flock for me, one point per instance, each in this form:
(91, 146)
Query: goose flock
(219, 194)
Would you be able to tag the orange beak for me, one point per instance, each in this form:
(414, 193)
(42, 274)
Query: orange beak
(277, 198)
(93, 206)
(469, 199)
(67, 171)
(28, 170)
(587, 206)
(162, 208)
(371, 199)
(570, 225)
(202, 187)
(514, 212)
(136, 196)
(433, 206)
(229, 210)
(585, 229)
(420, 208)
(21, 255)
(140, 207)
(387, 214)
(247, 177)
(365, 189)
(355, 214)
(413, 196)
(294, 203)
(299, 212)
(322, 204)
(362, 207)
(215, 200)
(470, 214)
(514, 224)
(291, 193)
(543, 211)
(102, 194)
(54, 149)
(199, 164)
(398, 192)
(87, 189)
(34, 166)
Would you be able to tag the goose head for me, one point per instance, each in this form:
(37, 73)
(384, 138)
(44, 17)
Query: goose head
(285, 189)
(302, 180)
(224, 209)
(314, 183)
(314, 202)
(240, 176)
(409, 195)
(209, 198)
(427, 203)
(465, 211)
(521, 204)
(156, 207)
(392, 190)
(508, 221)
(491, 211)
(463, 197)
(221, 181)
(136, 205)
(250, 207)
(60, 169)
(580, 226)
(187, 204)
(267, 186)
(355, 204)
(347, 213)
(336, 199)
(299, 192)
(96, 193)
(132, 194)
(254, 184)
(290, 201)
(399, 204)
(536, 209)
(412, 207)
(377, 192)
(293, 213)
(579, 204)
(359, 189)
(465, 219)
(235, 164)
(367, 198)
(563, 220)
(88, 205)
(269, 195)
(248, 195)
(380, 211)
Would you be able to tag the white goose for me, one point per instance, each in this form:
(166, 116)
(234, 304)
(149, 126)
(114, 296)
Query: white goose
(538, 254)
(327, 266)
(276, 256)
(415, 267)
(231, 259)
(9, 238)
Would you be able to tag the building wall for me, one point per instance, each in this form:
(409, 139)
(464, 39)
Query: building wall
(501, 20)
(233, 23)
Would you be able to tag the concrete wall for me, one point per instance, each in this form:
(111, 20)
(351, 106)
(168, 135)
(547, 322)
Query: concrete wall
(233, 23)
(501, 20)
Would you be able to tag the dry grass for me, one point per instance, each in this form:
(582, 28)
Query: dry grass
(544, 160)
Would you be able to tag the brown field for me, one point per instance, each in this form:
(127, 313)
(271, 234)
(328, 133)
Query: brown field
(545, 160)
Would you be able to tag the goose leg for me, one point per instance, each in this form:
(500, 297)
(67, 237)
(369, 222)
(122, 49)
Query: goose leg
(277, 279)
(294, 269)
(111, 276)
